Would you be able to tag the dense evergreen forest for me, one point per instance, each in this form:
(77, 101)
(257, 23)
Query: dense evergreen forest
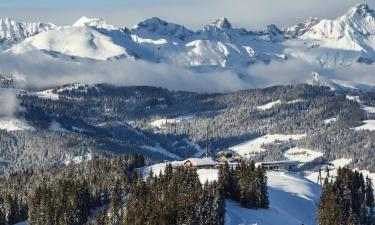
(245, 184)
(106, 120)
(113, 192)
(349, 200)
(64, 195)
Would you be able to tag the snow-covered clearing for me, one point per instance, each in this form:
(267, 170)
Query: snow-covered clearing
(329, 121)
(293, 201)
(269, 105)
(159, 123)
(302, 155)
(253, 146)
(13, 124)
(369, 125)
(334, 165)
(78, 159)
(46, 94)
(366, 108)
(161, 150)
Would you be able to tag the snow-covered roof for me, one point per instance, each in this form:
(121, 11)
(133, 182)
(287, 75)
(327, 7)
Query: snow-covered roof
(200, 161)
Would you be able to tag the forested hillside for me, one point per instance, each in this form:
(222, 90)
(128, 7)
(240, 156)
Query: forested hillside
(75, 122)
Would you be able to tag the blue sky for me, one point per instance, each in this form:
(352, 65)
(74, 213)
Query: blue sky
(73, 3)
(250, 14)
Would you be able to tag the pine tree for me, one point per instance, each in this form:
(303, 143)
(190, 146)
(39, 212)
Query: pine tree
(225, 180)
(115, 214)
(369, 193)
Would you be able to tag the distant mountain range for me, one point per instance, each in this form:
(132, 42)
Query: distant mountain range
(346, 41)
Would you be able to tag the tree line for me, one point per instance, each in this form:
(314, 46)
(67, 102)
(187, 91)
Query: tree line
(174, 197)
(245, 184)
(65, 195)
(349, 200)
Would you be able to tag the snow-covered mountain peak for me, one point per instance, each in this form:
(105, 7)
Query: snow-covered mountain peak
(84, 42)
(12, 32)
(156, 26)
(301, 28)
(362, 10)
(97, 23)
(274, 33)
(357, 23)
(221, 23)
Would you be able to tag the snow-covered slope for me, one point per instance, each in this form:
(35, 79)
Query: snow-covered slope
(251, 147)
(293, 201)
(339, 85)
(13, 124)
(12, 32)
(82, 42)
(348, 40)
(96, 23)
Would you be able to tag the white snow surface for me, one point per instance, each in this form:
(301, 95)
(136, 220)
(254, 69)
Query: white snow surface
(253, 146)
(82, 42)
(368, 125)
(46, 94)
(97, 23)
(161, 150)
(269, 105)
(13, 32)
(302, 155)
(346, 40)
(293, 201)
(14, 124)
(313, 176)
(160, 123)
(78, 159)
(330, 121)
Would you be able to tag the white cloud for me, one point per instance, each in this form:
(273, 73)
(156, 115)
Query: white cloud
(37, 70)
(9, 104)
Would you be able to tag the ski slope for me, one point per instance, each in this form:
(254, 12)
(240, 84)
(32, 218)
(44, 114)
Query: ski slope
(269, 105)
(253, 146)
(293, 201)
(302, 155)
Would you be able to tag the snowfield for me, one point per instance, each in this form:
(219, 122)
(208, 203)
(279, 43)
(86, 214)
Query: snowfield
(313, 176)
(329, 121)
(302, 155)
(335, 164)
(369, 125)
(293, 199)
(161, 150)
(160, 123)
(13, 124)
(269, 105)
(78, 159)
(253, 146)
